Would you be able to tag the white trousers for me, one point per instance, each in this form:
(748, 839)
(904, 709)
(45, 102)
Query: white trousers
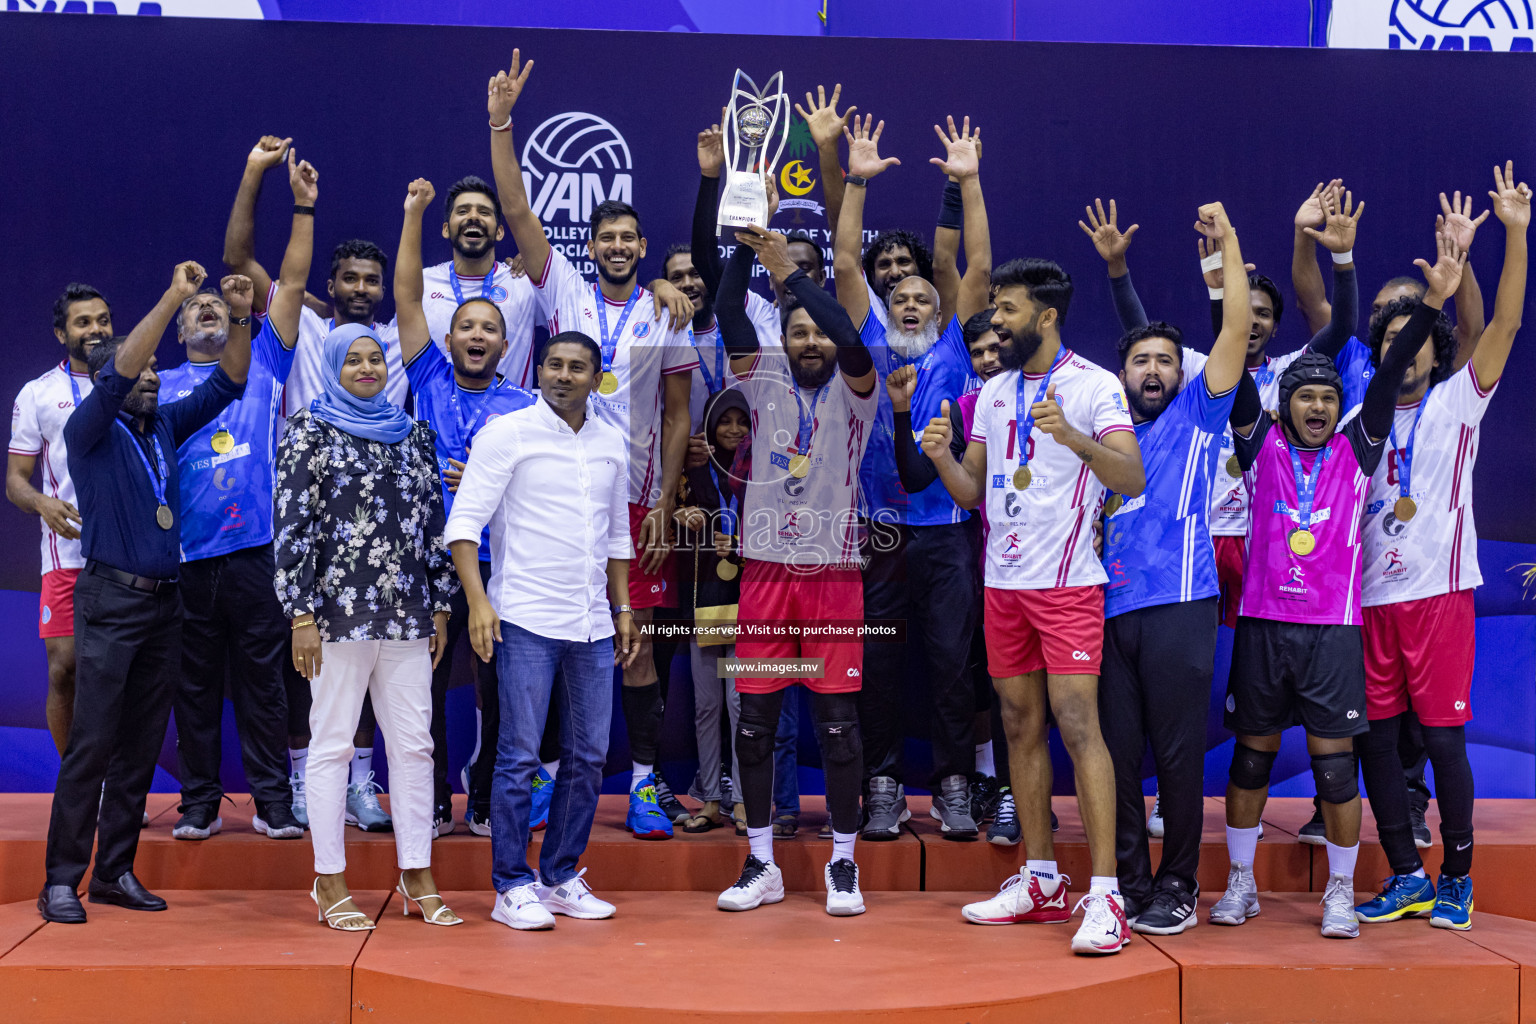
(398, 673)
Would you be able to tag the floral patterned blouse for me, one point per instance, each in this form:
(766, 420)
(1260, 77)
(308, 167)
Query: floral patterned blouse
(359, 532)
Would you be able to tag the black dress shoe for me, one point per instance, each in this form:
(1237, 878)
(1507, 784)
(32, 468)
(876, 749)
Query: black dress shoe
(60, 904)
(125, 892)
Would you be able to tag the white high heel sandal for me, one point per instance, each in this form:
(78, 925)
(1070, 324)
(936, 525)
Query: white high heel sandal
(405, 907)
(331, 918)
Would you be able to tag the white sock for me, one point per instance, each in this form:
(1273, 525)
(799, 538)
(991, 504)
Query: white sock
(297, 758)
(1419, 872)
(551, 768)
(362, 764)
(984, 763)
(1045, 870)
(761, 841)
(842, 845)
(1104, 885)
(637, 774)
(1341, 860)
(1241, 843)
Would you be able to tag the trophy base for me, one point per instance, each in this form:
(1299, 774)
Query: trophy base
(744, 202)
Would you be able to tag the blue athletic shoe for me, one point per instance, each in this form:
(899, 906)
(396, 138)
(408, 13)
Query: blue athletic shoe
(1401, 896)
(543, 793)
(645, 818)
(1453, 903)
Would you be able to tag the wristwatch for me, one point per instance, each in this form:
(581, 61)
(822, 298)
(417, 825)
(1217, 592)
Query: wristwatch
(239, 321)
(855, 179)
(621, 609)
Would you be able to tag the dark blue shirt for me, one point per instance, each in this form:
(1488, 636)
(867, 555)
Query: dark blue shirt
(115, 493)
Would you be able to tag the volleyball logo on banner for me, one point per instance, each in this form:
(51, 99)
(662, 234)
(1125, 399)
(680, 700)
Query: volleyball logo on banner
(1505, 25)
(571, 163)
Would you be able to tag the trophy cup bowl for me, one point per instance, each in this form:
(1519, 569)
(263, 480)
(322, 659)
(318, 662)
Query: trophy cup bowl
(756, 128)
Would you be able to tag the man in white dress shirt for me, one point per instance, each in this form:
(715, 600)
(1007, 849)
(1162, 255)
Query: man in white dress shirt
(552, 483)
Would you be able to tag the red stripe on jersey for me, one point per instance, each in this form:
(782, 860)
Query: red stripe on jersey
(1477, 385)
(1455, 573)
(53, 482)
(1082, 486)
(1064, 568)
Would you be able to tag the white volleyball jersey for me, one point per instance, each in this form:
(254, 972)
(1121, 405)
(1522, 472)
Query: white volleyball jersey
(514, 296)
(37, 429)
(714, 370)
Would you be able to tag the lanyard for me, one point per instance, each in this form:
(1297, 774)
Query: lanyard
(717, 381)
(806, 433)
(1405, 454)
(610, 342)
(74, 387)
(727, 501)
(1306, 484)
(1027, 424)
(156, 480)
(475, 406)
(458, 293)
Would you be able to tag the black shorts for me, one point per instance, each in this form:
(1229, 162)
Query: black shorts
(1289, 673)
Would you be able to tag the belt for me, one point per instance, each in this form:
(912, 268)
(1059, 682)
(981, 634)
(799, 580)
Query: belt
(145, 583)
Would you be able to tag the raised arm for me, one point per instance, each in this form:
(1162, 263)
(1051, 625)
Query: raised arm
(703, 242)
(133, 354)
(1456, 219)
(963, 478)
(1111, 244)
(288, 300)
(1338, 237)
(736, 331)
(1225, 365)
(502, 93)
(239, 294)
(962, 163)
(826, 126)
(240, 231)
(1512, 205)
(864, 161)
(411, 318)
(1306, 278)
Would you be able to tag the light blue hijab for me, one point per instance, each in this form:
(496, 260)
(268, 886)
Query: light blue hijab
(375, 418)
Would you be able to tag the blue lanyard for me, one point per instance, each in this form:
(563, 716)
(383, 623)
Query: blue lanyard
(807, 429)
(610, 342)
(458, 293)
(1405, 455)
(156, 480)
(74, 388)
(716, 382)
(476, 408)
(727, 502)
(1027, 423)
(1306, 485)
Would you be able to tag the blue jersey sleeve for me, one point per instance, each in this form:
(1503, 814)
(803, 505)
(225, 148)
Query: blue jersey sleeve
(1208, 411)
(268, 349)
(429, 365)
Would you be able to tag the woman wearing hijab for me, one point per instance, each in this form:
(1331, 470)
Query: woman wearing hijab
(365, 579)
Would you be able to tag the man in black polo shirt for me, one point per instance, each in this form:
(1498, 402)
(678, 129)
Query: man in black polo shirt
(122, 457)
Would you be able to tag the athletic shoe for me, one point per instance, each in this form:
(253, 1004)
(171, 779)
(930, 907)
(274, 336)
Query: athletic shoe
(1170, 911)
(1314, 832)
(198, 822)
(1155, 819)
(477, 825)
(669, 804)
(1022, 900)
(1240, 901)
(1400, 896)
(885, 808)
(843, 896)
(985, 794)
(144, 820)
(277, 822)
(825, 832)
(1104, 929)
(1453, 903)
(1418, 804)
(952, 809)
(363, 808)
(573, 899)
(442, 821)
(1004, 830)
(759, 883)
(520, 908)
(1339, 921)
(543, 793)
(300, 806)
(645, 818)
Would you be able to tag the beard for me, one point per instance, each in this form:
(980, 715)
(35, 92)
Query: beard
(209, 340)
(472, 248)
(1151, 408)
(137, 403)
(813, 379)
(611, 278)
(80, 348)
(914, 345)
(1021, 349)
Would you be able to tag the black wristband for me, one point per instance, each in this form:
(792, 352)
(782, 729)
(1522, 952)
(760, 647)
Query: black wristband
(951, 207)
(856, 179)
(239, 321)
(303, 209)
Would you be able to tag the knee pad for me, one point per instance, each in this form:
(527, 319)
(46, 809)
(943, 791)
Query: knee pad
(754, 741)
(840, 743)
(1251, 768)
(1335, 776)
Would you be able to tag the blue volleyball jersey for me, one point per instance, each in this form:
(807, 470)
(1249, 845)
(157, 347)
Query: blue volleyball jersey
(226, 496)
(1157, 545)
(456, 415)
(943, 374)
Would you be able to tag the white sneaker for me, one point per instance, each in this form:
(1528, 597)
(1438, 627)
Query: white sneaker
(520, 908)
(1339, 920)
(759, 883)
(843, 896)
(1104, 929)
(1240, 901)
(1155, 819)
(1022, 899)
(574, 899)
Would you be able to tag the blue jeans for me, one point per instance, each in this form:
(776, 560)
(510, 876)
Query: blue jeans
(786, 762)
(525, 670)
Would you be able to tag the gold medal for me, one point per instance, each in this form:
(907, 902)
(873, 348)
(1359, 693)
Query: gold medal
(1113, 504)
(163, 517)
(1234, 468)
(1404, 508)
(726, 569)
(609, 383)
(799, 466)
(1302, 542)
(223, 442)
(1021, 478)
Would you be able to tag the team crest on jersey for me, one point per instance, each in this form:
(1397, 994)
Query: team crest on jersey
(496, 293)
(641, 329)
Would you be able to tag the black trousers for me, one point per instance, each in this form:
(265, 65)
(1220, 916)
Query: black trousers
(127, 656)
(1155, 685)
(232, 621)
(927, 576)
(483, 764)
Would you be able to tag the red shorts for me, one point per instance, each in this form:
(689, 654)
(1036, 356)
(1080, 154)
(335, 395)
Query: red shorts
(649, 590)
(772, 593)
(56, 604)
(1419, 654)
(1229, 574)
(1060, 629)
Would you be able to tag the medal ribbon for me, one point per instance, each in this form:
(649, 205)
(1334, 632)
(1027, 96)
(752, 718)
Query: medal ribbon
(458, 293)
(727, 502)
(1027, 424)
(475, 406)
(156, 480)
(806, 433)
(1405, 454)
(74, 386)
(609, 343)
(717, 381)
(1306, 484)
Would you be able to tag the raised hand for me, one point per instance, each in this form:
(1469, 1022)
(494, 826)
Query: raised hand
(1445, 276)
(711, 151)
(1212, 222)
(821, 115)
(938, 434)
(187, 279)
(1214, 278)
(864, 157)
(304, 180)
(1339, 222)
(1456, 219)
(1311, 213)
(1511, 202)
(1105, 233)
(238, 291)
(962, 150)
(418, 196)
(772, 250)
(503, 90)
(268, 152)
(771, 186)
(901, 385)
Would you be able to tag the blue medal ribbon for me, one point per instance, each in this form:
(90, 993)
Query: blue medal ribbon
(74, 386)
(717, 381)
(458, 293)
(609, 343)
(156, 480)
(727, 510)
(1405, 454)
(806, 433)
(1306, 484)
(1027, 423)
(475, 406)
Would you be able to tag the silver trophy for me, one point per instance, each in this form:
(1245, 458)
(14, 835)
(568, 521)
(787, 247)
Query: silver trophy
(753, 120)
